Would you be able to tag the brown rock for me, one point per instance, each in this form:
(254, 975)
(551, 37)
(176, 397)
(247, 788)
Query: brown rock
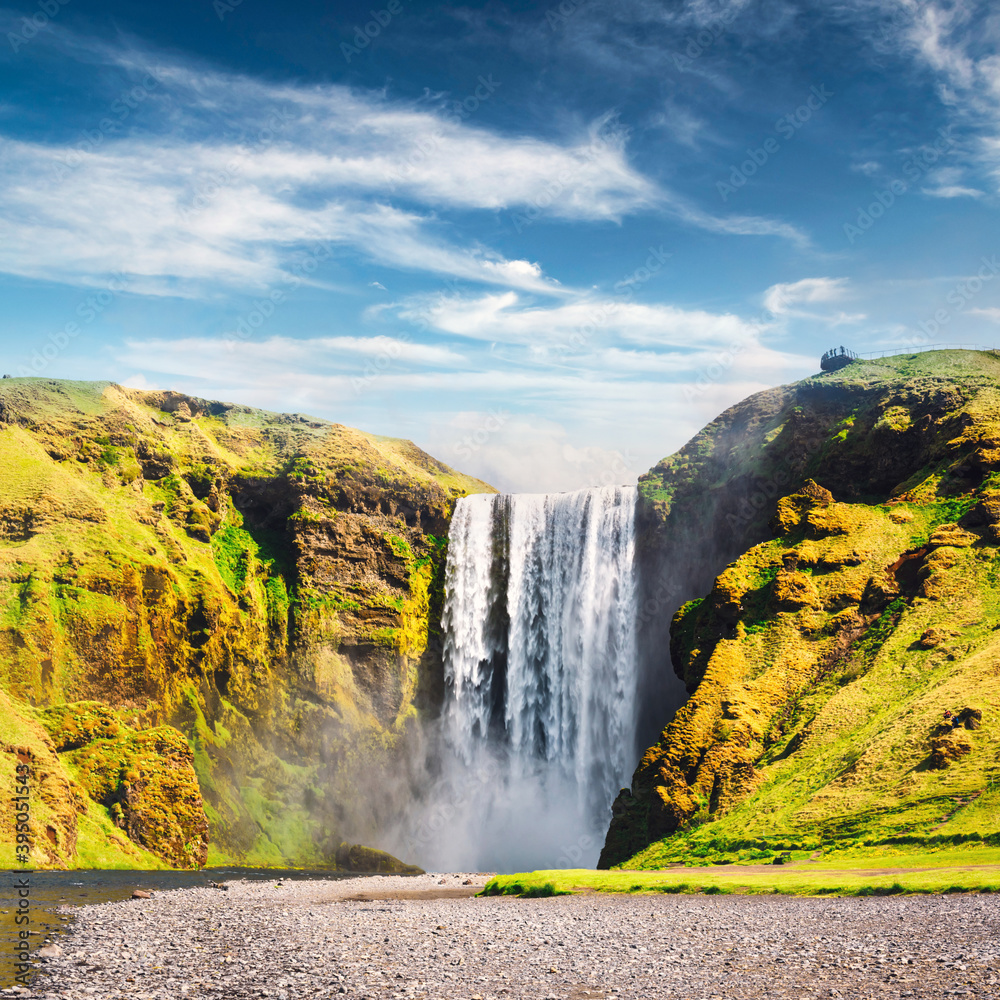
(953, 535)
(789, 512)
(147, 780)
(794, 590)
(358, 858)
(971, 718)
(984, 517)
(812, 489)
(945, 749)
(141, 894)
(933, 637)
(879, 591)
(790, 509)
(726, 601)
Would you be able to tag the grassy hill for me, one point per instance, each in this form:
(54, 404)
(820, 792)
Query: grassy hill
(859, 514)
(238, 608)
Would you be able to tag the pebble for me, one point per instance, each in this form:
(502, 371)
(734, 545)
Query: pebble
(310, 940)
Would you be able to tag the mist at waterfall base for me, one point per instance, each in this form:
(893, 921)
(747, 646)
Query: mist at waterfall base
(538, 728)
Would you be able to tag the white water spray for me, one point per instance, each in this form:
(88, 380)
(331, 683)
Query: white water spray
(540, 676)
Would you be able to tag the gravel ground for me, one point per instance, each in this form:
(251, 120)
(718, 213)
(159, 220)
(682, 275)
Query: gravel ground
(388, 937)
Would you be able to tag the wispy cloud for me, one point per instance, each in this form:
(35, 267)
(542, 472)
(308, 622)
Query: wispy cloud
(231, 176)
(788, 299)
(134, 206)
(952, 191)
(510, 318)
(957, 40)
(644, 390)
(991, 313)
(321, 354)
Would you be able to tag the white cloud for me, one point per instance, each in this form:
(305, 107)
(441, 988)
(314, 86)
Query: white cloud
(256, 360)
(507, 318)
(952, 191)
(137, 381)
(869, 168)
(779, 298)
(930, 33)
(533, 454)
(991, 313)
(232, 177)
(955, 42)
(786, 298)
(137, 210)
(614, 397)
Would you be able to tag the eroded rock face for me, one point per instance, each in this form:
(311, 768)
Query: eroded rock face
(859, 433)
(855, 510)
(148, 783)
(268, 585)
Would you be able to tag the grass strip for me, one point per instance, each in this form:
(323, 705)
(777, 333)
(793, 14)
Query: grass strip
(783, 880)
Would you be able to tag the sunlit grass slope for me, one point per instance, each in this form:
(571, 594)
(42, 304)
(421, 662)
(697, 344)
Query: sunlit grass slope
(823, 659)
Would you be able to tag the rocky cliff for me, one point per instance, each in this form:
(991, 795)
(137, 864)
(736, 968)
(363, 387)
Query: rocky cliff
(216, 623)
(859, 514)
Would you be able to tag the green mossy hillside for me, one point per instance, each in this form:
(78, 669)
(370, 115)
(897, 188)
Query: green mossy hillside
(265, 584)
(859, 514)
(66, 827)
(821, 666)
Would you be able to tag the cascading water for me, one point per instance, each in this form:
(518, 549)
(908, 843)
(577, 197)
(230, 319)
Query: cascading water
(540, 675)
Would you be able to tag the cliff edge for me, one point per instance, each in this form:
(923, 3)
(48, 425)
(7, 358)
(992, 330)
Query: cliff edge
(859, 514)
(216, 623)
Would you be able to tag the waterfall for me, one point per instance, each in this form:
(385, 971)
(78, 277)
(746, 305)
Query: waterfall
(540, 674)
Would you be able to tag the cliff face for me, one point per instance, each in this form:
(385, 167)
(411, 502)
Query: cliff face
(859, 513)
(238, 608)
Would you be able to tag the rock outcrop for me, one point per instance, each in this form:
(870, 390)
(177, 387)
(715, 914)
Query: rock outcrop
(216, 623)
(357, 858)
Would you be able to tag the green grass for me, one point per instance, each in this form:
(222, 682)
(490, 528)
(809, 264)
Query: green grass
(857, 876)
(531, 891)
(400, 547)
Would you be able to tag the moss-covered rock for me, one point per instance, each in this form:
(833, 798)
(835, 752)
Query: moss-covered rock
(356, 858)
(858, 513)
(263, 583)
(148, 783)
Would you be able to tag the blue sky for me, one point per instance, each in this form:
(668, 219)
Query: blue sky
(547, 243)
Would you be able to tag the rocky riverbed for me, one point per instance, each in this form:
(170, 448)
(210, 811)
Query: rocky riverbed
(428, 937)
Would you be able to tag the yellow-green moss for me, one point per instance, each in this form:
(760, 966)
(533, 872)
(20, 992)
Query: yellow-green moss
(818, 728)
(130, 579)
